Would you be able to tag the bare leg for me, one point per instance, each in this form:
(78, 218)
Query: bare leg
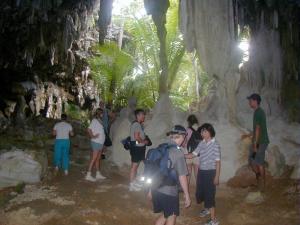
(212, 213)
(171, 220)
(196, 168)
(262, 176)
(133, 171)
(161, 220)
(97, 164)
(189, 166)
(93, 160)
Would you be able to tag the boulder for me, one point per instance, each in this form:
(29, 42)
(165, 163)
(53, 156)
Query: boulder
(244, 177)
(296, 171)
(4, 122)
(276, 161)
(255, 198)
(18, 166)
(119, 155)
(28, 135)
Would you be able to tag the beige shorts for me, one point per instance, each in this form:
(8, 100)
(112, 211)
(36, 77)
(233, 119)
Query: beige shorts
(193, 161)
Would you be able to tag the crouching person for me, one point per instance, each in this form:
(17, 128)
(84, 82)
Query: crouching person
(165, 198)
(209, 154)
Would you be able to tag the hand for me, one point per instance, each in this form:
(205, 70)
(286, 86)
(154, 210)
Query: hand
(244, 136)
(149, 196)
(96, 135)
(187, 202)
(216, 181)
(189, 156)
(146, 142)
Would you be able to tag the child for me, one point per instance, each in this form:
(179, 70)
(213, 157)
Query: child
(165, 199)
(209, 154)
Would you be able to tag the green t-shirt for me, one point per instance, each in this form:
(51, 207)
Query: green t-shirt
(259, 118)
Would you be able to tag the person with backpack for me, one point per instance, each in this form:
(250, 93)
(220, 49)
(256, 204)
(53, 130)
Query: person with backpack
(138, 144)
(97, 135)
(192, 140)
(62, 132)
(209, 154)
(165, 195)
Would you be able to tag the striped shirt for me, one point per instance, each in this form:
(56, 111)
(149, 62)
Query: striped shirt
(209, 153)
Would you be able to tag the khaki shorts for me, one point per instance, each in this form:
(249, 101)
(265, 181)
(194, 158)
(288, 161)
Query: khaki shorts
(193, 161)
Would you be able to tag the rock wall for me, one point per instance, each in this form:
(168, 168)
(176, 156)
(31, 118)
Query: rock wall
(47, 67)
(211, 29)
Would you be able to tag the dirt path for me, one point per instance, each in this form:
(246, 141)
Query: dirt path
(73, 201)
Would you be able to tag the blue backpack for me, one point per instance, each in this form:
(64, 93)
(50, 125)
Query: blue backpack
(158, 169)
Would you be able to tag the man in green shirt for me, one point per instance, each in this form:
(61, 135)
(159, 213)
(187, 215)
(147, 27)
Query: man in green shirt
(260, 139)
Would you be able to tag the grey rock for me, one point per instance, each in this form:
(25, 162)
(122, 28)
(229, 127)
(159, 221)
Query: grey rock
(276, 161)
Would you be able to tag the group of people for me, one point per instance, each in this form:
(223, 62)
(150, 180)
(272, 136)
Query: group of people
(97, 131)
(204, 159)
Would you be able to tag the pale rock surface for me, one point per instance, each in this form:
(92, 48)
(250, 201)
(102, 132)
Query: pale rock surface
(276, 161)
(296, 171)
(18, 166)
(254, 198)
(121, 130)
(244, 177)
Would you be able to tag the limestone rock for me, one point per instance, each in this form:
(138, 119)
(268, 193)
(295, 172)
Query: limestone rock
(254, 198)
(4, 122)
(296, 171)
(28, 135)
(244, 177)
(119, 155)
(18, 166)
(276, 161)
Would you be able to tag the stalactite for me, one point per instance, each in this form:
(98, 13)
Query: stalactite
(52, 54)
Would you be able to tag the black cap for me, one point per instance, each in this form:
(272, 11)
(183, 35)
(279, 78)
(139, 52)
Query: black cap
(177, 129)
(255, 96)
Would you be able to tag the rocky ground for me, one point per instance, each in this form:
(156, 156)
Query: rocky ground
(67, 200)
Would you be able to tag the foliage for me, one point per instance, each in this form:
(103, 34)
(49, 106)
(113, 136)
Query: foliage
(110, 66)
(74, 112)
(144, 45)
(135, 70)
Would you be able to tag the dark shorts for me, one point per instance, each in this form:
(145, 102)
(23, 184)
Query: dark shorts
(137, 153)
(259, 158)
(167, 204)
(206, 189)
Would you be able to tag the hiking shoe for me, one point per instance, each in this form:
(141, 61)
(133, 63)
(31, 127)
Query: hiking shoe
(133, 187)
(90, 178)
(204, 213)
(212, 222)
(99, 176)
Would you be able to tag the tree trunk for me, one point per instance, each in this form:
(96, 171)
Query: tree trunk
(158, 10)
(104, 18)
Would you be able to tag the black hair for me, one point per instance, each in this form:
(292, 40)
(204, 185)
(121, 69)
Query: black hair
(209, 128)
(192, 119)
(138, 111)
(63, 116)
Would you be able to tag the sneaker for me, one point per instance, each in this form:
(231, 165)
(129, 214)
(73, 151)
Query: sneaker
(66, 172)
(204, 213)
(99, 176)
(137, 184)
(133, 187)
(212, 222)
(90, 178)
